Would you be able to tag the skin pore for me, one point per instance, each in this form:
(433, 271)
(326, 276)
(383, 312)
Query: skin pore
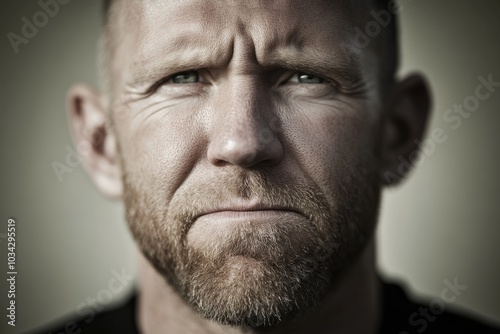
(248, 149)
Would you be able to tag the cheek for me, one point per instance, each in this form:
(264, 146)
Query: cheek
(330, 142)
(159, 150)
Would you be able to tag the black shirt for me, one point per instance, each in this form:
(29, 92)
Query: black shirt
(400, 316)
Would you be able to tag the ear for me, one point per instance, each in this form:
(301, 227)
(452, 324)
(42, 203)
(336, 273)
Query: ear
(94, 138)
(404, 124)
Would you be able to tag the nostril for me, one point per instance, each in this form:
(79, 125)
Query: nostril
(219, 162)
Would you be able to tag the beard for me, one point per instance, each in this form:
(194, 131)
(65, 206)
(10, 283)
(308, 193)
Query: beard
(255, 274)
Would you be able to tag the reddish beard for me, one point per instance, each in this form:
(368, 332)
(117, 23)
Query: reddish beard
(254, 274)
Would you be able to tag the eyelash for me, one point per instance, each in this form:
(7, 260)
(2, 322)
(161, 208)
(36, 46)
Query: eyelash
(158, 84)
(297, 74)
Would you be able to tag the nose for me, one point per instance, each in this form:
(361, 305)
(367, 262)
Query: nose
(244, 132)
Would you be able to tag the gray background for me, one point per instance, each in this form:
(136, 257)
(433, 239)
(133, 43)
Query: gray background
(444, 222)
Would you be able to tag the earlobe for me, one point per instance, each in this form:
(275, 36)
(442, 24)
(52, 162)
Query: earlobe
(404, 124)
(94, 138)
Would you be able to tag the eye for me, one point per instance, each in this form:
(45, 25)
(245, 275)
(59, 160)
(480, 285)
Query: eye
(185, 77)
(306, 78)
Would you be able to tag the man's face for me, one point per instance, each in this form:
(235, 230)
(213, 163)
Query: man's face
(248, 136)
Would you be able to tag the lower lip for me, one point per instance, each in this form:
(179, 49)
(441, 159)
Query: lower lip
(227, 225)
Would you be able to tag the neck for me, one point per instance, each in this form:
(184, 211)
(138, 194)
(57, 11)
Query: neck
(352, 306)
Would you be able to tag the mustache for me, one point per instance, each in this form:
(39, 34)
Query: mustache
(250, 187)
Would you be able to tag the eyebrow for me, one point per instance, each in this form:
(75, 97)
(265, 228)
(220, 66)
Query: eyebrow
(347, 71)
(174, 62)
(174, 58)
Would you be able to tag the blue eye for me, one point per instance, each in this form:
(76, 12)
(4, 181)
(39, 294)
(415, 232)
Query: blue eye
(309, 78)
(185, 77)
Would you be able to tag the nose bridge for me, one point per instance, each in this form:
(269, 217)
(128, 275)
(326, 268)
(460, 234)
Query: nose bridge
(241, 133)
(243, 95)
(246, 109)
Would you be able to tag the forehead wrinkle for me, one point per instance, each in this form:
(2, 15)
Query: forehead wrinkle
(192, 43)
(187, 52)
(289, 45)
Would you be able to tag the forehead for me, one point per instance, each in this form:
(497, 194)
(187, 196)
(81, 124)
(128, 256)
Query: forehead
(278, 13)
(208, 10)
(274, 17)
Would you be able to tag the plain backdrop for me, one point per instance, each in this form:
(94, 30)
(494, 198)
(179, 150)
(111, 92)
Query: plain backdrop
(442, 223)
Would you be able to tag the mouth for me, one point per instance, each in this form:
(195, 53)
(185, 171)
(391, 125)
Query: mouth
(248, 228)
(248, 210)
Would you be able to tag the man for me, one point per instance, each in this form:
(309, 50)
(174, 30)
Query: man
(249, 141)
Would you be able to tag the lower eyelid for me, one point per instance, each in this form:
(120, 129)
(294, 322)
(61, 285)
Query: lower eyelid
(312, 89)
